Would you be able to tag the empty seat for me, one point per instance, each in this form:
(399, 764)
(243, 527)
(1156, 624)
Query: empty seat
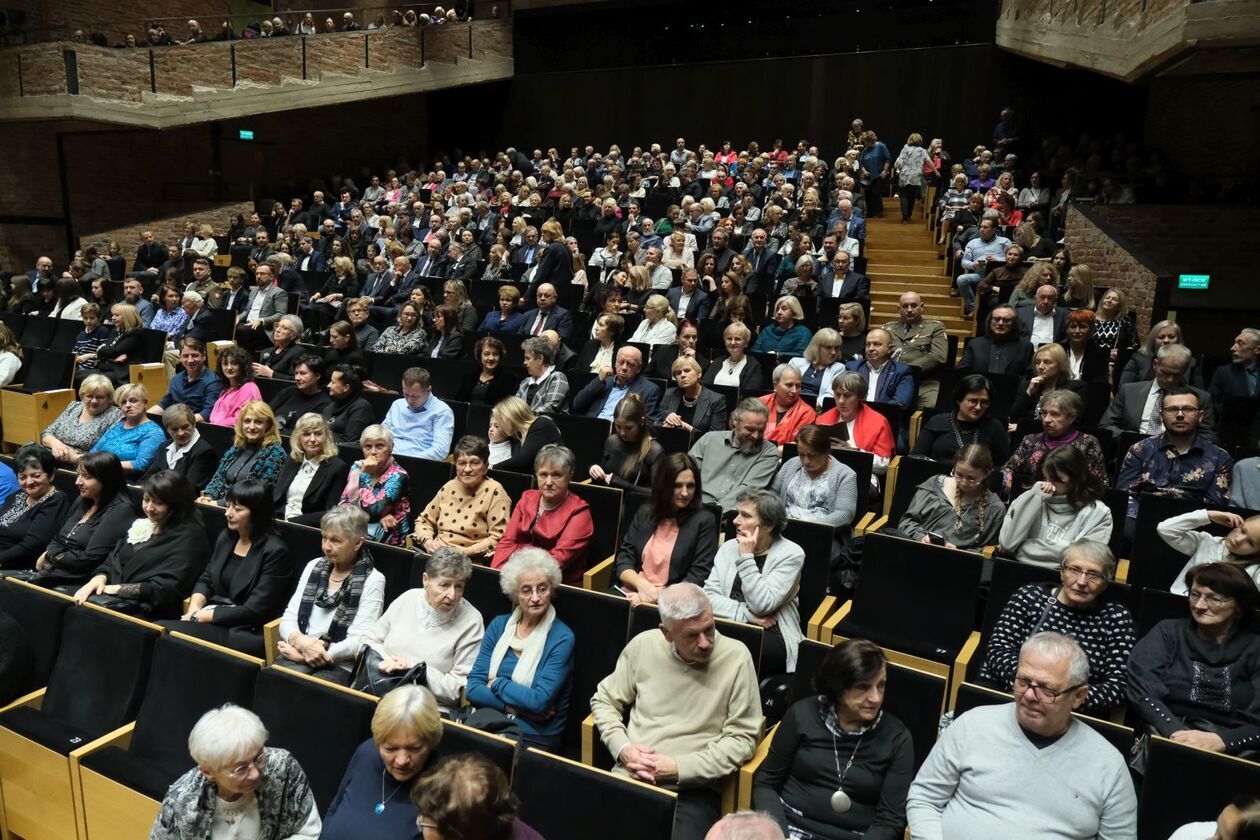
(321, 724)
(1183, 785)
(915, 599)
(591, 803)
(457, 738)
(1153, 562)
(605, 504)
(40, 613)
(424, 479)
(598, 621)
(124, 781)
(95, 687)
(585, 436)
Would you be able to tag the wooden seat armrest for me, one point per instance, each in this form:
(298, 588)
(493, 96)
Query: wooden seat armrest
(1122, 571)
(828, 631)
(916, 423)
(588, 740)
(120, 738)
(271, 640)
(34, 700)
(813, 627)
(876, 525)
(989, 551)
(961, 663)
(890, 482)
(748, 770)
(865, 522)
(599, 578)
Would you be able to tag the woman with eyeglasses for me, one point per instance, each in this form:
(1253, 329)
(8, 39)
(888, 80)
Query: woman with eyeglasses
(1193, 679)
(944, 434)
(239, 782)
(1059, 411)
(1075, 607)
(1240, 547)
(957, 510)
(819, 365)
(1065, 506)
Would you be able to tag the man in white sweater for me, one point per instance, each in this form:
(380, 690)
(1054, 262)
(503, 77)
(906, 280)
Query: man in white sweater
(1034, 773)
(694, 705)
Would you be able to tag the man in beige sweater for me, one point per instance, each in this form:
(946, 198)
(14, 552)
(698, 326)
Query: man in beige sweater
(694, 707)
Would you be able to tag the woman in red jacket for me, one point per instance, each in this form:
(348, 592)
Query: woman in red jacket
(551, 518)
(867, 429)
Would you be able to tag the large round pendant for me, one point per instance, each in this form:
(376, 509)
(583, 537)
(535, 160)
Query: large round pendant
(840, 801)
(380, 806)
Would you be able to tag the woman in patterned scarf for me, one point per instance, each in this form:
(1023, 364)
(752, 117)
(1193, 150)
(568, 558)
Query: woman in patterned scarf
(339, 596)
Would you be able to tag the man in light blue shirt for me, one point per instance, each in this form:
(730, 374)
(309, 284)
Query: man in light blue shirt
(422, 424)
(987, 248)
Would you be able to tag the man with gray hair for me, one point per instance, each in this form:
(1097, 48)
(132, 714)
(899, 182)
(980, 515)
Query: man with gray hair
(694, 708)
(738, 459)
(999, 768)
(1137, 408)
(1240, 378)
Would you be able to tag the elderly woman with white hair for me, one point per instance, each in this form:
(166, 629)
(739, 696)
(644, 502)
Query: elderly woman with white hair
(756, 576)
(372, 801)
(659, 324)
(785, 334)
(240, 787)
(379, 485)
(525, 668)
(432, 625)
(338, 598)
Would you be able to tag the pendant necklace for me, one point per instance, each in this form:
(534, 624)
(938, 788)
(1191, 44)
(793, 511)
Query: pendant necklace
(380, 806)
(841, 801)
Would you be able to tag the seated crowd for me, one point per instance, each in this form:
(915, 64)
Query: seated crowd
(720, 377)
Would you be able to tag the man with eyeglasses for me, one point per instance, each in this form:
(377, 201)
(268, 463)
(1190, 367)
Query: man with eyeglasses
(1136, 406)
(1002, 349)
(1179, 462)
(1034, 771)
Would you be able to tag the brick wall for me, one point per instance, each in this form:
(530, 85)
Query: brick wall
(112, 74)
(1113, 266)
(115, 22)
(446, 43)
(167, 229)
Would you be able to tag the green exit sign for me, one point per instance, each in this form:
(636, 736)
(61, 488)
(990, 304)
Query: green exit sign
(1193, 281)
(246, 134)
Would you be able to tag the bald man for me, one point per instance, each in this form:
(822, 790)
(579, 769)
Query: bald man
(600, 396)
(745, 825)
(920, 343)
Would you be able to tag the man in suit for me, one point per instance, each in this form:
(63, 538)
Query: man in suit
(1241, 378)
(461, 267)
(528, 252)
(855, 224)
(1043, 321)
(434, 263)
(564, 356)
(886, 380)
(1137, 407)
(688, 300)
(837, 281)
(1001, 350)
(600, 396)
(547, 315)
(764, 262)
(721, 251)
(308, 258)
(262, 247)
(149, 256)
(42, 272)
(236, 296)
(267, 304)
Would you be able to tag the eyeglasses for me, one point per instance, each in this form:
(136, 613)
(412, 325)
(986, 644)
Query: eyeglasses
(976, 402)
(962, 479)
(540, 590)
(1089, 574)
(1210, 599)
(258, 762)
(1043, 693)
(1181, 409)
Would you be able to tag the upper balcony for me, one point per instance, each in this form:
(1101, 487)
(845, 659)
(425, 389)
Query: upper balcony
(163, 87)
(1133, 40)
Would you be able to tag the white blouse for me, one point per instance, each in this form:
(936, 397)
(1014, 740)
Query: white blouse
(371, 605)
(298, 487)
(728, 374)
(662, 332)
(10, 364)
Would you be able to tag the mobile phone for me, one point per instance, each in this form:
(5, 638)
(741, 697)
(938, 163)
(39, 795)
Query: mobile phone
(935, 538)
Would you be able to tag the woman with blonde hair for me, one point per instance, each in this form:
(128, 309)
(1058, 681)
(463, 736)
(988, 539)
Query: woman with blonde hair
(126, 346)
(256, 452)
(1079, 293)
(676, 254)
(1116, 325)
(851, 319)
(498, 267)
(205, 245)
(342, 285)
(1051, 371)
(819, 365)
(135, 439)
(517, 435)
(659, 324)
(1038, 274)
(1141, 366)
(639, 288)
(10, 356)
(455, 295)
(313, 476)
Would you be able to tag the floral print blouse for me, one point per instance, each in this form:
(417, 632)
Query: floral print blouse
(382, 495)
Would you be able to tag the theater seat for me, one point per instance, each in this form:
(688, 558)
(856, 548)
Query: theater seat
(41, 614)
(561, 798)
(321, 724)
(125, 777)
(457, 738)
(45, 391)
(152, 375)
(1184, 784)
(95, 687)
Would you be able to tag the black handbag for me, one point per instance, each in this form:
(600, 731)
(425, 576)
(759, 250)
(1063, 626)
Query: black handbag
(367, 675)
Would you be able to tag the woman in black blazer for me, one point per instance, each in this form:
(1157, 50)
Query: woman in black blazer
(154, 567)
(750, 378)
(312, 477)
(516, 431)
(249, 577)
(641, 570)
(279, 360)
(691, 406)
(1050, 372)
(126, 348)
(347, 413)
(447, 339)
(494, 382)
(31, 516)
(198, 462)
(94, 524)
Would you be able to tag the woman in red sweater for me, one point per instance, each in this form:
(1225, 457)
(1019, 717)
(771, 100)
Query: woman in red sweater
(868, 430)
(551, 518)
